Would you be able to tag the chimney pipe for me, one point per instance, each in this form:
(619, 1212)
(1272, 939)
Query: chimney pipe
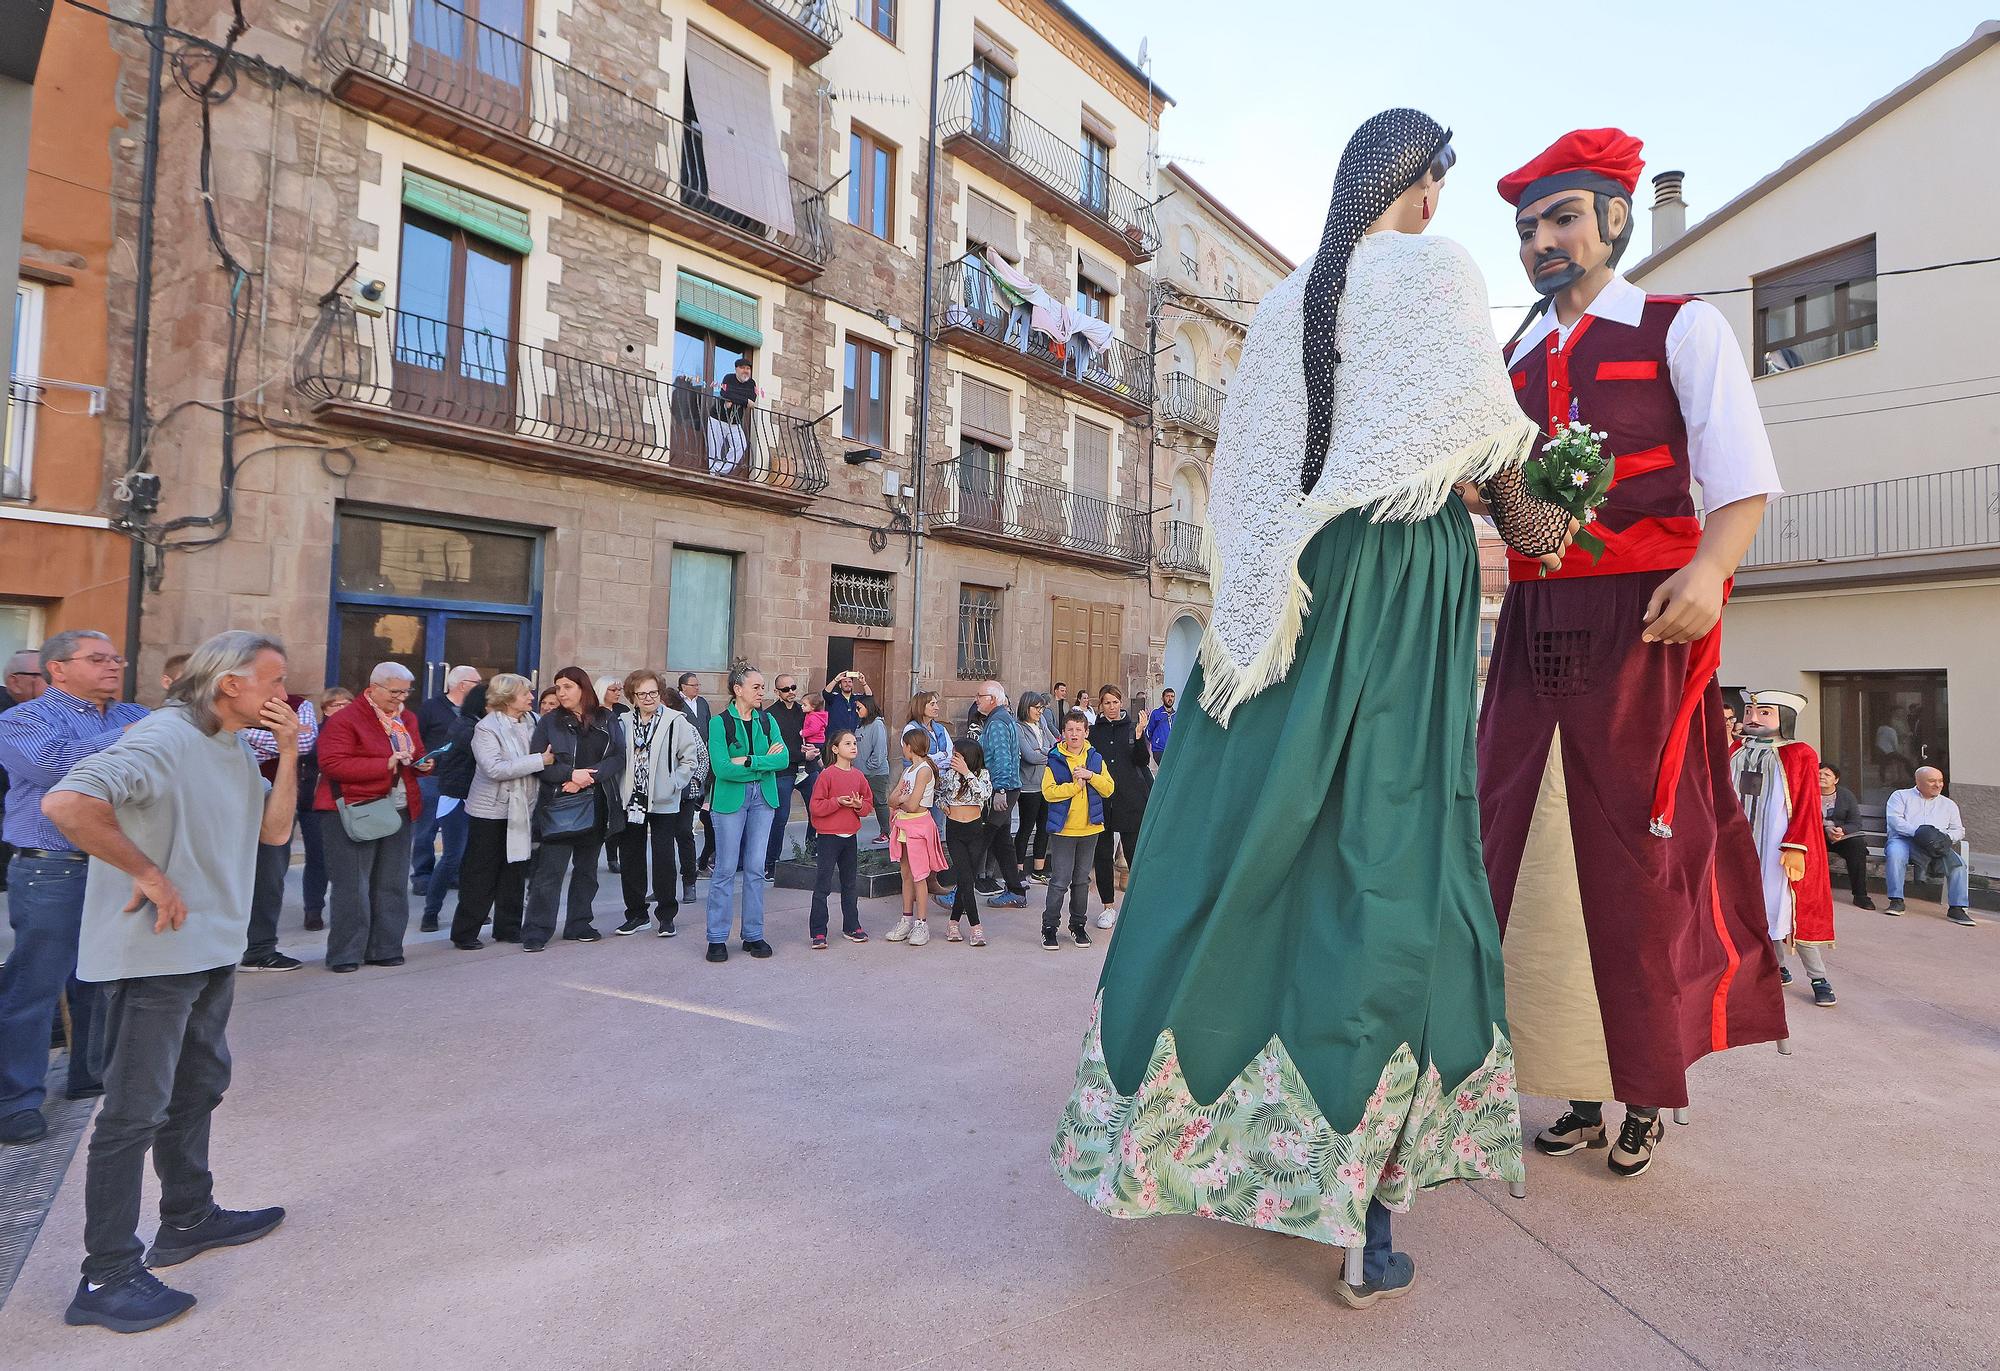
(1670, 212)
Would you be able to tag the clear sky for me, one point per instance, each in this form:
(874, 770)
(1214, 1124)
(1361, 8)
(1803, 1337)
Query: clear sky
(1268, 92)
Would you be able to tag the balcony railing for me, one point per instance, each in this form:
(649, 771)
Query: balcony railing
(807, 29)
(1180, 548)
(1050, 169)
(1943, 511)
(993, 506)
(1192, 404)
(971, 306)
(453, 387)
(432, 67)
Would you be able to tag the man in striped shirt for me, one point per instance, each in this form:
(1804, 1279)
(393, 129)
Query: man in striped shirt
(76, 716)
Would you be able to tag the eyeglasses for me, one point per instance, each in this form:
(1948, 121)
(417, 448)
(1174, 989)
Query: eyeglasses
(95, 659)
(788, 690)
(646, 695)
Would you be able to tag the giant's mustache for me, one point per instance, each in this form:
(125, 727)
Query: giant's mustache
(1543, 259)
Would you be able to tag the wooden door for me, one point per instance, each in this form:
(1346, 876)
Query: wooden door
(1086, 645)
(871, 659)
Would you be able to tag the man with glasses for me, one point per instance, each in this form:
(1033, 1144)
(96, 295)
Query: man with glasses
(76, 716)
(790, 716)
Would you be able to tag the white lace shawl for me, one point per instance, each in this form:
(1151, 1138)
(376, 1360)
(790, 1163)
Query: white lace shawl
(1421, 402)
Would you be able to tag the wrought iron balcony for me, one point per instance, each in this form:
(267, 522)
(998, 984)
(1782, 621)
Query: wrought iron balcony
(1192, 404)
(436, 69)
(1180, 549)
(440, 385)
(1912, 525)
(993, 135)
(807, 29)
(974, 317)
(979, 504)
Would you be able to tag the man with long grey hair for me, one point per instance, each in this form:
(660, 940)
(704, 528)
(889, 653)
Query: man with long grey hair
(171, 815)
(76, 715)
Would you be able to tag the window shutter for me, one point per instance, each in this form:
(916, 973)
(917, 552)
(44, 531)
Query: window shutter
(985, 413)
(1093, 458)
(739, 139)
(996, 53)
(477, 215)
(1856, 262)
(705, 304)
(1088, 268)
(1099, 129)
(992, 224)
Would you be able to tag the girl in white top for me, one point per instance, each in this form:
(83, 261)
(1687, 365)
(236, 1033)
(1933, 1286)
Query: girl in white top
(913, 837)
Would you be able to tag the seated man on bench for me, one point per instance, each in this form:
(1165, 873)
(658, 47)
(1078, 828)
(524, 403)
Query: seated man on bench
(1924, 826)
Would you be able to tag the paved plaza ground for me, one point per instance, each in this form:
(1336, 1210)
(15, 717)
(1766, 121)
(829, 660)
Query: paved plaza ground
(620, 1156)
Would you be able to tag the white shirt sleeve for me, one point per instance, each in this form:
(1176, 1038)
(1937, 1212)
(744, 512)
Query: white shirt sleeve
(1727, 447)
(1954, 825)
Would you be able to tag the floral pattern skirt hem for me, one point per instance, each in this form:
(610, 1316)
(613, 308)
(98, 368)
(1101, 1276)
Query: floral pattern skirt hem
(1262, 1155)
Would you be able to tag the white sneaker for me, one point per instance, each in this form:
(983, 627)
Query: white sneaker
(901, 930)
(1107, 917)
(921, 934)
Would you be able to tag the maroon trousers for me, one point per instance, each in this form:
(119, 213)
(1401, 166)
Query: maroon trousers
(1660, 941)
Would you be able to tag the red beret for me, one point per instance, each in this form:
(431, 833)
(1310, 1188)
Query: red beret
(1584, 159)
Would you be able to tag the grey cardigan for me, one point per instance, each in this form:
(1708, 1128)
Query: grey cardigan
(1036, 742)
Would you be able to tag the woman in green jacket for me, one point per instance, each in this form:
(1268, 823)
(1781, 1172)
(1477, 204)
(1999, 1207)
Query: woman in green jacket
(746, 753)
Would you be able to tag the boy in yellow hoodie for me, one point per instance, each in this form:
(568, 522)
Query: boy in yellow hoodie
(1075, 783)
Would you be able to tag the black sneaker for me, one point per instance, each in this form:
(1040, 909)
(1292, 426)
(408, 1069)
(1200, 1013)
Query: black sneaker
(1957, 914)
(1570, 1133)
(770, 873)
(1633, 1152)
(1049, 943)
(222, 1228)
(687, 892)
(718, 952)
(667, 929)
(1079, 937)
(584, 935)
(534, 947)
(1895, 907)
(988, 889)
(1864, 903)
(1399, 1275)
(131, 1303)
(429, 924)
(500, 937)
(855, 935)
(636, 924)
(274, 961)
(1823, 992)
(467, 944)
(23, 1126)
(1784, 974)
(757, 947)
(383, 961)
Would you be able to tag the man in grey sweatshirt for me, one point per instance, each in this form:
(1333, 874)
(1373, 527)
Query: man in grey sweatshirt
(171, 815)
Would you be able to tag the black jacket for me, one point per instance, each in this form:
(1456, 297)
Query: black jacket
(1846, 813)
(791, 720)
(601, 744)
(1124, 751)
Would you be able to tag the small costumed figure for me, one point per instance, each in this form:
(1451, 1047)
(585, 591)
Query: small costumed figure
(1778, 778)
(1622, 869)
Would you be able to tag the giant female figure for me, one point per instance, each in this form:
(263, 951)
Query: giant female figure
(1300, 1022)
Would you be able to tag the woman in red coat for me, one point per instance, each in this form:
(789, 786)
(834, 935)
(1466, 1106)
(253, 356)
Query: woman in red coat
(370, 749)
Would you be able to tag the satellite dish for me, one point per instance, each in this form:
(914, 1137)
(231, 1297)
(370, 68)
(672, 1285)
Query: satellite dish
(1142, 52)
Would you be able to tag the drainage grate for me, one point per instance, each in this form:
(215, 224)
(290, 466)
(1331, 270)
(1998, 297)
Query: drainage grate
(31, 1176)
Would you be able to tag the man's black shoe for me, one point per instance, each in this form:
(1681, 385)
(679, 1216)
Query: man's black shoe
(506, 937)
(383, 961)
(1895, 907)
(771, 873)
(1050, 944)
(131, 1303)
(344, 968)
(667, 929)
(1079, 937)
(1958, 915)
(636, 924)
(222, 1228)
(23, 1126)
(534, 947)
(467, 944)
(429, 924)
(757, 947)
(687, 891)
(273, 961)
(1864, 903)
(718, 952)
(584, 935)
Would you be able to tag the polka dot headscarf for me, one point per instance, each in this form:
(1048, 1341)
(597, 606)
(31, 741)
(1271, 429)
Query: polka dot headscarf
(1384, 158)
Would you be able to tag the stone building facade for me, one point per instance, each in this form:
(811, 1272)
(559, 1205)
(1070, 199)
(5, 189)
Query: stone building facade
(494, 265)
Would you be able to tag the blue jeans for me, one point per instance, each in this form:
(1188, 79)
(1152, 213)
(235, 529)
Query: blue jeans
(1376, 1248)
(1896, 857)
(774, 847)
(741, 839)
(423, 832)
(45, 907)
(454, 826)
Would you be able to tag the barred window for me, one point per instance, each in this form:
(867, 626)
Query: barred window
(862, 597)
(978, 632)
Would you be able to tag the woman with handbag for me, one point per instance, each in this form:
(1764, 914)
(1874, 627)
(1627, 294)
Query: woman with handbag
(500, 809)
(662, 753)
(370, 758)
(746, 752)
(578, 809)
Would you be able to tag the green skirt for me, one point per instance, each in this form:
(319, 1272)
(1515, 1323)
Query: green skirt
(1302, 1007)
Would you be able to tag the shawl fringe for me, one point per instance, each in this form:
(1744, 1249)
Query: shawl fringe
(1226, 685)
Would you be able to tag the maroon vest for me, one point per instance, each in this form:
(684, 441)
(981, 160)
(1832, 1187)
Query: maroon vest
(1617, 378)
